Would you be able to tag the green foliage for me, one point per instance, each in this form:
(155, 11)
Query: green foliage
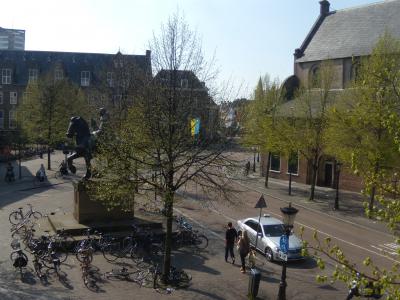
(260, 116)
(47, 107)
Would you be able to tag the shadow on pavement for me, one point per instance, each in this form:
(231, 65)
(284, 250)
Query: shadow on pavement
(205, 294)
(186, 259)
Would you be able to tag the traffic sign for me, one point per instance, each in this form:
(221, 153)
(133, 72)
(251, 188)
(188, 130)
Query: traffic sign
(261, 202)
(284, 243)
(282, 255)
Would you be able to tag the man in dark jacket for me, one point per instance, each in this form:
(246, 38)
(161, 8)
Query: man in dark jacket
(230, 240)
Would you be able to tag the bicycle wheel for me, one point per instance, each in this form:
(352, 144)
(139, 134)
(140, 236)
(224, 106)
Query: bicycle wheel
(48, 260)
(200, 241)
(15, 218)
(35, 215)
(111, 251)
(83, 256)
(14, 255)
(20, 231)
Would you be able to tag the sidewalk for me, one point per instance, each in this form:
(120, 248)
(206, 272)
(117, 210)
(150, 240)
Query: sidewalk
(351, 204)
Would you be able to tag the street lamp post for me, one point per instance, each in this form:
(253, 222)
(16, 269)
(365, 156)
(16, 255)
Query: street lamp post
(288, 215)
(338, 167)
(254, 159)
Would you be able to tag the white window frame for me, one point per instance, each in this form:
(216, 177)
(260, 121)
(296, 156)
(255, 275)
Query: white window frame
(298, 165)
(1, 119)
(5, 76)
(184, 83)
(110, 79)
(58, 75)
(33, 75)
(13, 98)
(10, 119)
(1, 97)
(85, 78)
(270, 163)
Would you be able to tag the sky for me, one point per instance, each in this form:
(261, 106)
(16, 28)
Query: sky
(249, 38)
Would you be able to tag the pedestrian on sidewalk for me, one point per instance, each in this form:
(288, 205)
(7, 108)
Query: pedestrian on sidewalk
(244, 249)
(247, 169)
(230, 240)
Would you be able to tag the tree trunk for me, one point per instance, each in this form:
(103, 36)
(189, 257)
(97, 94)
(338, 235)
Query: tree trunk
(373, 192)
(169, 200)
(48, 158)
(371, 201)
(267, 171)
(314, 174)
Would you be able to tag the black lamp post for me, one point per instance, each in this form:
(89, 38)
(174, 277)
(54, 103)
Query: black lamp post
(288, 214)
(338, 167)
(254, 159)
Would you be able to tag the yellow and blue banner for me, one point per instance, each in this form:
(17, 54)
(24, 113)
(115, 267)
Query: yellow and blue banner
(195, 126)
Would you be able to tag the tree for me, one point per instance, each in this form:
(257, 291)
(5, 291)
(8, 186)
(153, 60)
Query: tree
(365, 130)
(159, 133)
(360, 120)
(261, 118)
(45, 110)
(303, 125)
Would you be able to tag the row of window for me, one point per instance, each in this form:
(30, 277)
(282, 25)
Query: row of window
(6, 76)
(12, 119)
(293, 163)
(13, 98)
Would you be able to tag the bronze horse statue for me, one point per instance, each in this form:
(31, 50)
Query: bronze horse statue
(79, 128)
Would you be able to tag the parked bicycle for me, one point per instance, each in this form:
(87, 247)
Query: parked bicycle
(127, 247)
(107, 244)
(87, 276)
(187, 236)
(19, 260)
(17, 216)
(62, 170)
(38, 265)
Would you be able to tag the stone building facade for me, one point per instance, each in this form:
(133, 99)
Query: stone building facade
(94, 73)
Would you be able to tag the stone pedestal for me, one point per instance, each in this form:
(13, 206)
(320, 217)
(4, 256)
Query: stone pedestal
(86, 210)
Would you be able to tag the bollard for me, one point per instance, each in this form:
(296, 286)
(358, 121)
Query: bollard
(254, 283)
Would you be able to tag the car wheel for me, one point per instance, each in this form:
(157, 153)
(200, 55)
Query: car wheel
(268, 254)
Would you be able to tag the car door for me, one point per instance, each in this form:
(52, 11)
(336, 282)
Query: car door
(251, 227)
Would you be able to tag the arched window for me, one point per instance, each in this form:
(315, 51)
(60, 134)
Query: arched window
(314, 76)
(355, 71)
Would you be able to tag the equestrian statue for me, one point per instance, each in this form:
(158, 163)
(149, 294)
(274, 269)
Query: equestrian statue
(85, 140)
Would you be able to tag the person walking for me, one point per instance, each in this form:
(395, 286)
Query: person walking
(230, 239)
(244, 249)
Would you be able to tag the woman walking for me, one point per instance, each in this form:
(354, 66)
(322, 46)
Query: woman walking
(244, 249)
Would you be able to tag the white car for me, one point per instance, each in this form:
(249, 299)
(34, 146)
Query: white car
(268, 237)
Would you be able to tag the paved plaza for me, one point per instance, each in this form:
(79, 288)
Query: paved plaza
(212, 277)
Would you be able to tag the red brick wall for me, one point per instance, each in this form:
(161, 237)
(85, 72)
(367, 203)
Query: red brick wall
(347, 180)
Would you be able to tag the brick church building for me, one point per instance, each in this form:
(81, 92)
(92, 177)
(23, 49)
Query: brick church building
(340, 36)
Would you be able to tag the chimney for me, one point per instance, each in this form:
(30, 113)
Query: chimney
(324, 7)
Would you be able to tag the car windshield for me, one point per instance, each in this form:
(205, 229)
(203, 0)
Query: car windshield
(274, 230)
